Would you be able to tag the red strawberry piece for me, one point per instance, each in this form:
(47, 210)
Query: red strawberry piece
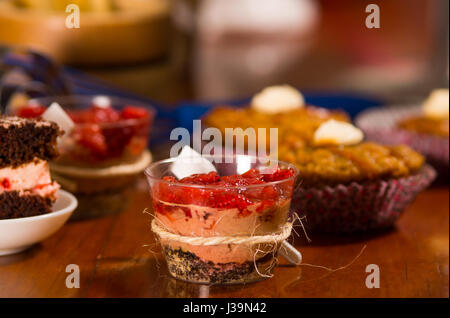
(97, 115)
(279, 174)
(105, 114)
(235, 180)
(6, 184)
(77, 117)
(85, 116)
(252, 174)
(133, 112)
(91, 137)
(269, 193)
(187, 212)
(163, 191)
(207, 178)
(31, 111)
(117, 139)
(169, 179)
(227, 201)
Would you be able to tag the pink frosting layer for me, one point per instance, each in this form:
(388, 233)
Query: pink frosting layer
(33, 177)
(206, 221)
(46, 190)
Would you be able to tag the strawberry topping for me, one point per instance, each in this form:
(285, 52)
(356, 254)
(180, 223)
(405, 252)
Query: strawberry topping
(31, 111)
(235, 192)
(133, 112)
(104, 132)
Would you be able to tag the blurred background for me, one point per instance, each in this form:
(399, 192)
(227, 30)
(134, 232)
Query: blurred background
(175, 50)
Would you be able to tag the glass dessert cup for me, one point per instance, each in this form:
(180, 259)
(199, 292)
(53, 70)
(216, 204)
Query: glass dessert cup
(227, 232)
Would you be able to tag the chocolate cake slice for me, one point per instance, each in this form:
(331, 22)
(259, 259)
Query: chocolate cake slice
(26, 146)
(22, 140)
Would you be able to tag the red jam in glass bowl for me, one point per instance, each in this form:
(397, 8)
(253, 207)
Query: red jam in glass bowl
(103, 135)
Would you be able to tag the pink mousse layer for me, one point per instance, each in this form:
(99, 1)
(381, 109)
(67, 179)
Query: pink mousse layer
(207, 222)
(33, 177)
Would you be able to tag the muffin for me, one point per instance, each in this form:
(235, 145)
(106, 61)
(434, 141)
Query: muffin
(347, 184)
(424, 128)
(434, 117)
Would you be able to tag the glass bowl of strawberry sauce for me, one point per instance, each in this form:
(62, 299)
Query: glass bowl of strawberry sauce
(108, 130)
(246, 197)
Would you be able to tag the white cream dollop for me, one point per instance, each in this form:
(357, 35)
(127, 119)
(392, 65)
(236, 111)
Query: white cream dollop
(190, 162)
(333, 132)
(277, 99)
(437, 104)
(101, 101)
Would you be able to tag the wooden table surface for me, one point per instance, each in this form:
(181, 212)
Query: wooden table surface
(117, 257)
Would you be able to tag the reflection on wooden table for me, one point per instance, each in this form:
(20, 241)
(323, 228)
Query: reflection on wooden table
(118, 257)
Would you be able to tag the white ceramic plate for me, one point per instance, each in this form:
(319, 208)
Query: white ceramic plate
(18, 234)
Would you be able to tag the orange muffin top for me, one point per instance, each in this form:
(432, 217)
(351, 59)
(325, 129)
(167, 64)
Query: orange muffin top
(424, 125)
(321, 165)
(434, 117)
(295, 126)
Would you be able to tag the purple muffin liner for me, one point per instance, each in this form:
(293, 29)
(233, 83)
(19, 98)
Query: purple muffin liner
(381, 125)
(359, 207)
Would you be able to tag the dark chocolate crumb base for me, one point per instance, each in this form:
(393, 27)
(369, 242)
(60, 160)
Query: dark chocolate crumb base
(13, 205)
(187, 266)
(23, 140)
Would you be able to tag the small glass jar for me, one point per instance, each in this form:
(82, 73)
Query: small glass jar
(216, 213)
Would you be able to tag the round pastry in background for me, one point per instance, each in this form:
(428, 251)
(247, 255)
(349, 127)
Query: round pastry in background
(277, 99)
(424, 128)
(433, 119)
(110, 32)
(347, 184)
